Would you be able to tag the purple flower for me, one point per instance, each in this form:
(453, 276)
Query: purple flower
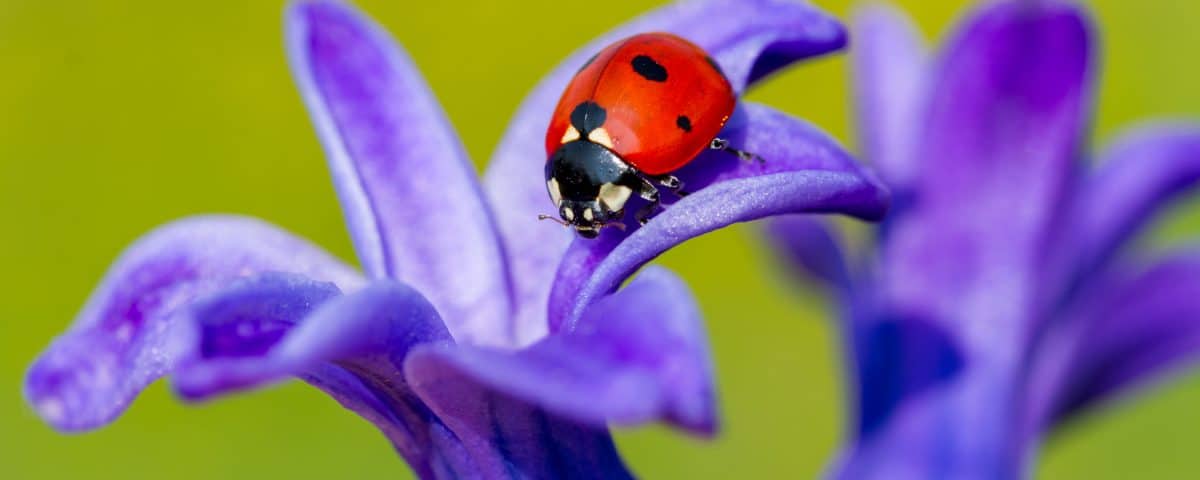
(998, 300)
(483, 343)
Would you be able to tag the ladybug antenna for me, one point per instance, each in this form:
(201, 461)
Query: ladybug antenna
(542, 216)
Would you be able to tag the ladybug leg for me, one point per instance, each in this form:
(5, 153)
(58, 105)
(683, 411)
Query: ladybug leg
(648, 192)
(723, 145)
(674, 184)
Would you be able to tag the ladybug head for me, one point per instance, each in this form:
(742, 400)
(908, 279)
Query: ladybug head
(589, 185)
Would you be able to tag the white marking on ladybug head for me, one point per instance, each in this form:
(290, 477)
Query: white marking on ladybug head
(614, 196)
(587, 215)
(568, 214)
(600, 136)
(570, 135)
(555, 193)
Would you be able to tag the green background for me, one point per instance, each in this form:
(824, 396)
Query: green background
(119, 115)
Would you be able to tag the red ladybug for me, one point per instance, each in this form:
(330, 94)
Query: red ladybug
(640, 109)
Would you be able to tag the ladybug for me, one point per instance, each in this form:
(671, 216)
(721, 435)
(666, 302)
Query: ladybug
(637, 111)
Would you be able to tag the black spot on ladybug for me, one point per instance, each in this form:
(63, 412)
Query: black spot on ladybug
(588, 116)
(684, 123)
(649, 69)
(589, 62)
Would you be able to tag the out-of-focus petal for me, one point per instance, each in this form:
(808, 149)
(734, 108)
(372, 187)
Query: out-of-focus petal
(1140, 175)
(412, 202)
(805, 171)
(639, 355)
(913, 446)
(749, 39)
(1007, 114)
(1129, 330)
(352, 347)
(899, 360)
(925, 408)
(889, 85)
(1009, 104)
(812, 247)
(128, 333)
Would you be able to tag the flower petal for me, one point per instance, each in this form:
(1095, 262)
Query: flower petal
(1131, 329)
(811, 246)
(256, 331)
(128, 333)
(639, 355)
(1140, 175)
(413, 204)
(1006, 118)
(353, 348)
(265, 329)
(509, 438)
(749, 39)
(805, 171)
(889, 84)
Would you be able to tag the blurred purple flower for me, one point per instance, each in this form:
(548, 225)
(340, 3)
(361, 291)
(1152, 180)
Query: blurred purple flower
(453, 343)
(998, 301)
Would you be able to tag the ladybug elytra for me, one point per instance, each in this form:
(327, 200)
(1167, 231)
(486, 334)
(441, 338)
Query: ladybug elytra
(640, 109)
